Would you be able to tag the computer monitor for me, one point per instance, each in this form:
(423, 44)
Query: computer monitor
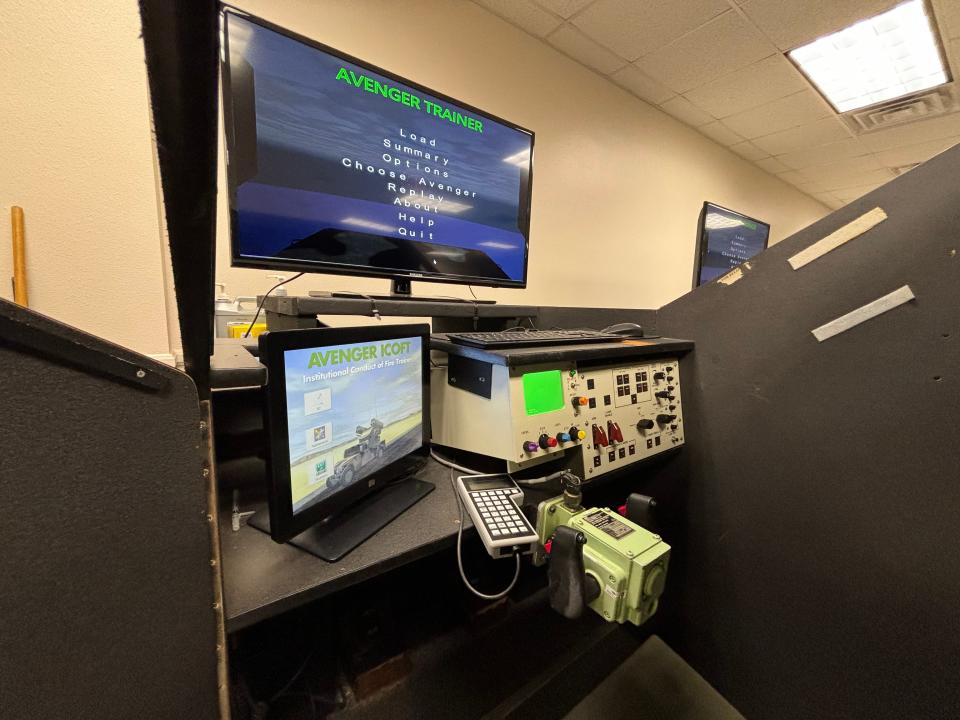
(347, 414)
(337, 166)
(725, 239)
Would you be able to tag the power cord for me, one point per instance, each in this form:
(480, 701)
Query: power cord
(528, 482)
(463, 575)
(446, 462)
(263, 300)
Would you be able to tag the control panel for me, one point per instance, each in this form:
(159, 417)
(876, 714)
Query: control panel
(599, 417)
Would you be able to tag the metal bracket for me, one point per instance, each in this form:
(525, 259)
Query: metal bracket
(475, 376)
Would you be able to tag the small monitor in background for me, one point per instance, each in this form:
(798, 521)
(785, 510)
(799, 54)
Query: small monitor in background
(725, 239)
(347, 421)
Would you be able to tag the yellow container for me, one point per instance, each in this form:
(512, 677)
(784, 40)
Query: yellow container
(238, 329)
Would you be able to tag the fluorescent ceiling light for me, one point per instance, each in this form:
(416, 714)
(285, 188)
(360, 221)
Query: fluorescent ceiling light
(881, 58)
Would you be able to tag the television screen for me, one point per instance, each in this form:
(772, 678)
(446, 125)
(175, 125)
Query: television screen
(726, 239)
(337, 166)
(351, 410)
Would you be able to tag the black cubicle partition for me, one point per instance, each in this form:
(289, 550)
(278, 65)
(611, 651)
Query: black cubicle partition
(106, 585)
(818, 563)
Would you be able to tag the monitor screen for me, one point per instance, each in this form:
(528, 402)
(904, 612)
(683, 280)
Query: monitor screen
(726, 239)
(352, 410)
(337, 166)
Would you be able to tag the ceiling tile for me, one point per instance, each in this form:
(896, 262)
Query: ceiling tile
(835, 178)
(769, 79)
(791, 111)
(823, 154)
(581, 48)
(771, 165)
(811, 188)
(749, 151)
(632, 28)
(848, 194)
(685, 111)
(563, 8)
(721, 133)
(811, 135)
(722, 45)
(913, 133)
(831, 201)
(524, 14)
(790, 23)
(909, 154)
(947, 13)
(645, 88)
(793, 177)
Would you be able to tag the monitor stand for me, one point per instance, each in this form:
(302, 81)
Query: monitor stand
(400, 289)
(334, 537)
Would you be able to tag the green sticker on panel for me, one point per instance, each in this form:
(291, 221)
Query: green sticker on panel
(542, 391)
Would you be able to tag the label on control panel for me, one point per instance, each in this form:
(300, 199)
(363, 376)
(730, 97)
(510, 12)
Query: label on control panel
(608, 524)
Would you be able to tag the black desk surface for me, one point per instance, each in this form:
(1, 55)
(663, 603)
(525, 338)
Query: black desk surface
(262, 578)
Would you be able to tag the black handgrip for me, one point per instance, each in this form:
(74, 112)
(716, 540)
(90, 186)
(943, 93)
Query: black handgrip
(639, 510)
(566, 574)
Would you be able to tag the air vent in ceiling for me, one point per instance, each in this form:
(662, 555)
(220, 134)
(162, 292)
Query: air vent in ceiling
(921, 106)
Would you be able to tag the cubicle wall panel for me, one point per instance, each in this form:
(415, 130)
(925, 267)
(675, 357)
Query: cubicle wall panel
(816, 569)
(106, 592)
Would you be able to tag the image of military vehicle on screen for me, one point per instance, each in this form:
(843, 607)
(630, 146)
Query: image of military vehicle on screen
(351, 410)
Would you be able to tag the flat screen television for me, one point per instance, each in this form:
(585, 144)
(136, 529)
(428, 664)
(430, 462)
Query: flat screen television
(725, 239)
(337, 166)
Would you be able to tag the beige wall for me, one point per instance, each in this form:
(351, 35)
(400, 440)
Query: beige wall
(76, 154)
(618, 184)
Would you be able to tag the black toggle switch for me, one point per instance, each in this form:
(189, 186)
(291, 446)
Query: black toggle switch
(664, 419)
(645, 424)
(659, 376)
(664, 394)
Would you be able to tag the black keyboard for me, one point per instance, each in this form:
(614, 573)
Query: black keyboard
(530, 338)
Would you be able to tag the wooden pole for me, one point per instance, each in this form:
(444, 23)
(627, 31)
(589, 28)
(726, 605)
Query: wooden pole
(19, 257)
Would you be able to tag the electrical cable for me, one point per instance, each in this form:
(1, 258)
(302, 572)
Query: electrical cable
(453, 466)
(263, 300)
(528, 482)
(296, 676)
(463, 574)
